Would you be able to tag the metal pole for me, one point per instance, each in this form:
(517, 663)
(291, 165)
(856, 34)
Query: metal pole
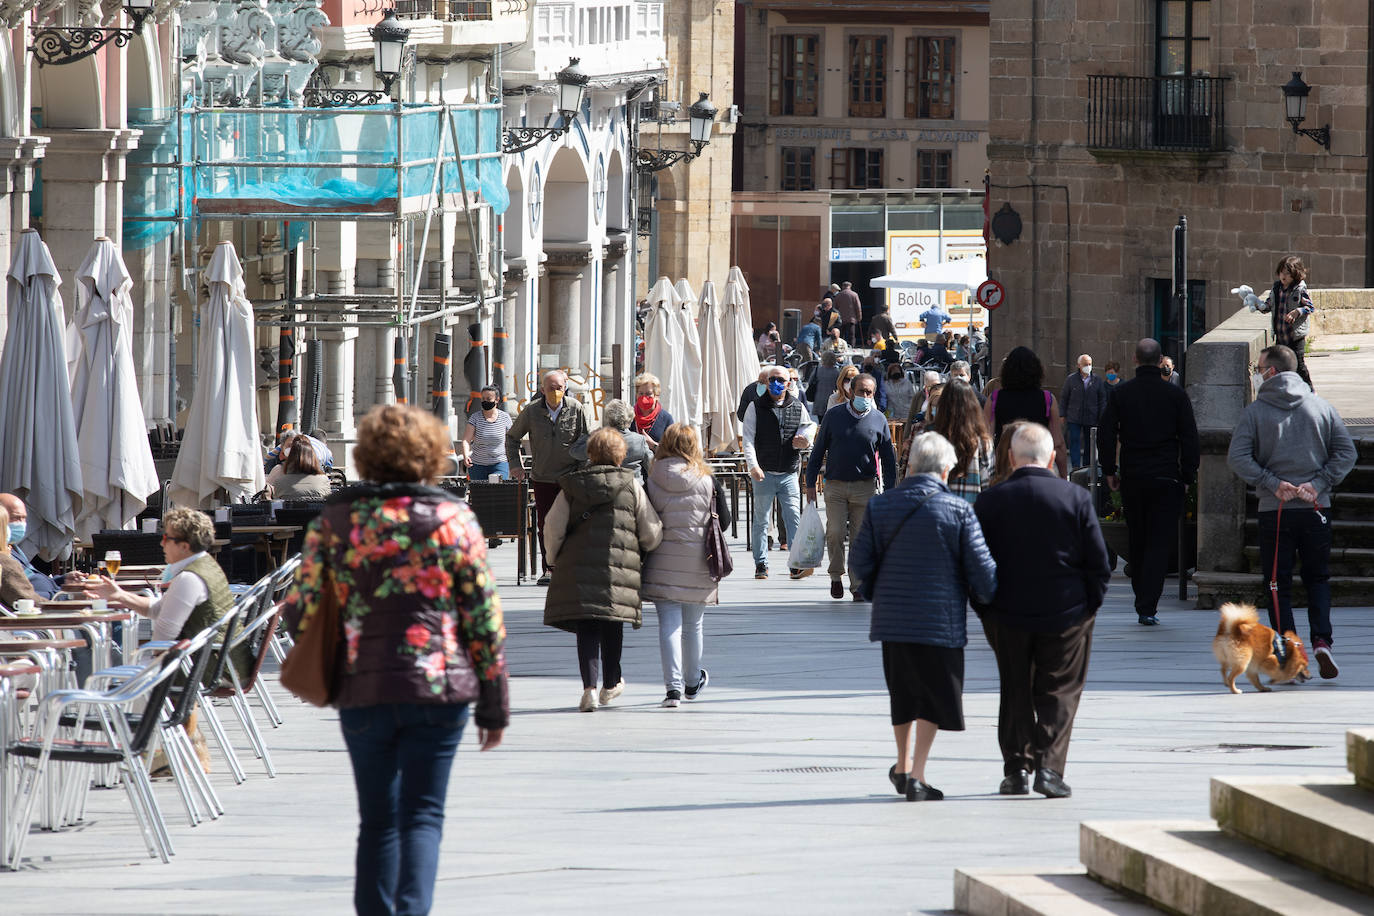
(1181, 298)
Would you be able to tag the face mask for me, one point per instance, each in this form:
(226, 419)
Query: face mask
(1258, 379)
(792, 386)
(645, 403)
(1086, 370)
(862, 404)
(1111, 376)
(776, 386)
(488, 405)
(844, 386)
(761, 389)
(17, 531)
(554, 398)
(168, 575)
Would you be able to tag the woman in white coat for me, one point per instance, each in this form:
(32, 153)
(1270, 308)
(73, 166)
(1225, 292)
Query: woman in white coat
(676, 578)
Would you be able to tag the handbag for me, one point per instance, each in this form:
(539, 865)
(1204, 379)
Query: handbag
(309, 670)
(718, 561)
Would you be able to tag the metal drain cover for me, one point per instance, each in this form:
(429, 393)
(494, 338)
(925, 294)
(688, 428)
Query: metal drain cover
(1229, 748)
(817, 770)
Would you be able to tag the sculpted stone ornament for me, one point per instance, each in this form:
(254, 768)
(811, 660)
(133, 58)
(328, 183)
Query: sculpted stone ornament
(243, 36)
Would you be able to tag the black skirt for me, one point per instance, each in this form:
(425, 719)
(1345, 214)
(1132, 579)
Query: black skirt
(925, 682)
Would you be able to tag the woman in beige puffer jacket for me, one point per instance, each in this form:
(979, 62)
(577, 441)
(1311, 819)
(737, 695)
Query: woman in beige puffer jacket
(676, 578)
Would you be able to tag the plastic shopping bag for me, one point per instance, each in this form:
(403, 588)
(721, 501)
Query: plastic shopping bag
(808, 544)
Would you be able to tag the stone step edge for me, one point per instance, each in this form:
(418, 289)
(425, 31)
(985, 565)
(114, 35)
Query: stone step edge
(1040, 892)
(1263, 812)
(1179, 874)
(1359, 756)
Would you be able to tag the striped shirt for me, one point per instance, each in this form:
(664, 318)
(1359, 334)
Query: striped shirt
(489, 437)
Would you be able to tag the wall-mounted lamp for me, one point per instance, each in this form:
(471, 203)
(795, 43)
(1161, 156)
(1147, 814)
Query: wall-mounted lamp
(572, 89)
(701, 117)
(389, 41)
(61, 45)
(1295, 93)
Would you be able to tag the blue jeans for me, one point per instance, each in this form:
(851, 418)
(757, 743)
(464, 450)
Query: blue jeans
(480, 472)
(1078, 443)
(402, 754)
(679, 628)
(784, 487)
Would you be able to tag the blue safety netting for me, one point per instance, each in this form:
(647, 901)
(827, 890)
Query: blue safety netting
(311, 162)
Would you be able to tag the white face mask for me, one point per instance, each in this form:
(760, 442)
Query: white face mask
(1086, 370)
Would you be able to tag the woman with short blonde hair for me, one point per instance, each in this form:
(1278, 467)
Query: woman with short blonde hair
(651, 420)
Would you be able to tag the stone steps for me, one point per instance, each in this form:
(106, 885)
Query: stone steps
(1044, 892)
(1285, 846)
(1194, 869)
(1216, 588)
(1345, 532)
(1325, 825)
(1350, 562)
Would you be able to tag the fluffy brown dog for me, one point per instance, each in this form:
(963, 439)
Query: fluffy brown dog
(1244, 644)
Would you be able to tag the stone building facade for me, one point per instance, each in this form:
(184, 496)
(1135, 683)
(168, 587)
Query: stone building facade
(1112, 118)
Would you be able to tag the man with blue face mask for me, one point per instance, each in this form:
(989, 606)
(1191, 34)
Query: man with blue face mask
(44, 585)
(776, 428)
(852, 441)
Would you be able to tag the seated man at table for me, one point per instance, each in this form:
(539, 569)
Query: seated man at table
(44, 585)
(197, 592)
(14, 585)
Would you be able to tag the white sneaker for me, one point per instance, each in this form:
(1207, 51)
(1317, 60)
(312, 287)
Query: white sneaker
(672, 701)
(588, 703)
(610, 693)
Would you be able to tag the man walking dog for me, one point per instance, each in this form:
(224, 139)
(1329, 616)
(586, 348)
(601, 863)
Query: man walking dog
(1293, 448)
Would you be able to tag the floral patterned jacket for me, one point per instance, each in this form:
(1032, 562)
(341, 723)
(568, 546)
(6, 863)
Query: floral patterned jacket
(421, 618)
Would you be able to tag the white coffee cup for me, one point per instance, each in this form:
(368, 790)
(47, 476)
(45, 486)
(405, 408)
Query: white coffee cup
(25, 606)
(99, 604)
(150, 526)
(493, 478)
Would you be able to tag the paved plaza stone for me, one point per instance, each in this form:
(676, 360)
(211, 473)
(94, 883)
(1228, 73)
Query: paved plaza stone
(768, 795)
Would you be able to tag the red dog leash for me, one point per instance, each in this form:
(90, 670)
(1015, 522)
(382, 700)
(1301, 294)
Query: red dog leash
(1274, 574)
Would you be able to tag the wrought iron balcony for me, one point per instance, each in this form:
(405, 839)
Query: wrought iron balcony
(1165, 113)
(459, 10)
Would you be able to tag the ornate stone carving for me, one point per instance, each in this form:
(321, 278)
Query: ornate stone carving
(571, 258)
(615, 247)
(12, 12)
(244, 35)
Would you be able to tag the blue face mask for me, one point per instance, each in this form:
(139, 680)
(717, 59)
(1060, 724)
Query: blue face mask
(17, 531)
(862, 404)
(760, 388)
(168, 575)
(1111, 376)
(776, 386)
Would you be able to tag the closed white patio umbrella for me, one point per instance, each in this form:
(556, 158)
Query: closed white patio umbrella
(220, 448)
(720, 426)
(117, 469)
(39, 461)
(663, 347)
(737, 329)
(686, 315)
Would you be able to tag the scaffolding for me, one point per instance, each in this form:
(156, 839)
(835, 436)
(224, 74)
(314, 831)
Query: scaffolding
(403, 164)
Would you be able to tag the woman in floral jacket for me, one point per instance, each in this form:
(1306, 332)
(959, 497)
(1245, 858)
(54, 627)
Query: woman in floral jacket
(423, 639)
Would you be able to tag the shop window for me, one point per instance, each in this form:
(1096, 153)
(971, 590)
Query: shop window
(794, 75)
(856, 169)
(933, 168)
(930, 77)
(867, 76)
(798, 168)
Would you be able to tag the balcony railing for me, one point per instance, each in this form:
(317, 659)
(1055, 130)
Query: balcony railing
(458, 10)
(1168, 113)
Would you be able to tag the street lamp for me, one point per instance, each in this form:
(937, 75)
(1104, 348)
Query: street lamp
(388, 48)
(60, 45)
(1295, 93)
(701, 116)
(572, 89)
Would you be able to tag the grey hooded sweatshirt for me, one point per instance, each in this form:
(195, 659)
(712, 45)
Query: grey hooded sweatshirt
(1290, 434)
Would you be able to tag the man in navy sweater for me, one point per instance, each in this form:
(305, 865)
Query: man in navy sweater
(852, 440)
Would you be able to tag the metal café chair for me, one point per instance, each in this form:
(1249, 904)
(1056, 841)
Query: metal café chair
(120, 746)
(260, 626)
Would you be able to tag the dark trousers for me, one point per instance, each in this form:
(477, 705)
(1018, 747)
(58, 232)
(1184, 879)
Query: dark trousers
(544, 495)
(604, 638)
(1152, 506)
(402, 754)
(1042, 679)
(1299, 348)
(1304, 532)
(849, 330)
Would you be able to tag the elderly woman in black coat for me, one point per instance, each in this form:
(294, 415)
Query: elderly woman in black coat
(921, 525)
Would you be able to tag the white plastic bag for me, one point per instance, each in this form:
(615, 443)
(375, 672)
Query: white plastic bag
(808, 544)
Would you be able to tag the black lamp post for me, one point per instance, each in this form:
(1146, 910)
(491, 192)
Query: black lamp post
(1295, 93)
(572, 89)
(388, 48)
(61, 45)
(701, 117)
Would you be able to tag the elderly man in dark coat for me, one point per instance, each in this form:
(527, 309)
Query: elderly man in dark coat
(920, 524)
(1052, 575)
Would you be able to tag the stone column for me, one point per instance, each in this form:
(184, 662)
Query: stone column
(516, 318)
(567, 266)
(612, 312)
(83, 187)
(17, 158)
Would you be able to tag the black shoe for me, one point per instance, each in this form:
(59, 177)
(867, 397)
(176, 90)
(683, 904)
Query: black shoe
(702, 680)
(1126, 570)
(919, 791)
(1017, 783)
(836, 588)
(1051, 785)
(544, 579)
(770, 543)
(801, 573)
(1150, 621)
(858, 597)
(898, 780)
(760, 570)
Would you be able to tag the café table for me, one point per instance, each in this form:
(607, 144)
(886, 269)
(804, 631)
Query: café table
(270, 538)
(48, 654)
(65, 616)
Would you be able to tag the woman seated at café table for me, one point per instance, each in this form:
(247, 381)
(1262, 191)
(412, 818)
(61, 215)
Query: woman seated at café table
(300, 477)
(197, 593)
